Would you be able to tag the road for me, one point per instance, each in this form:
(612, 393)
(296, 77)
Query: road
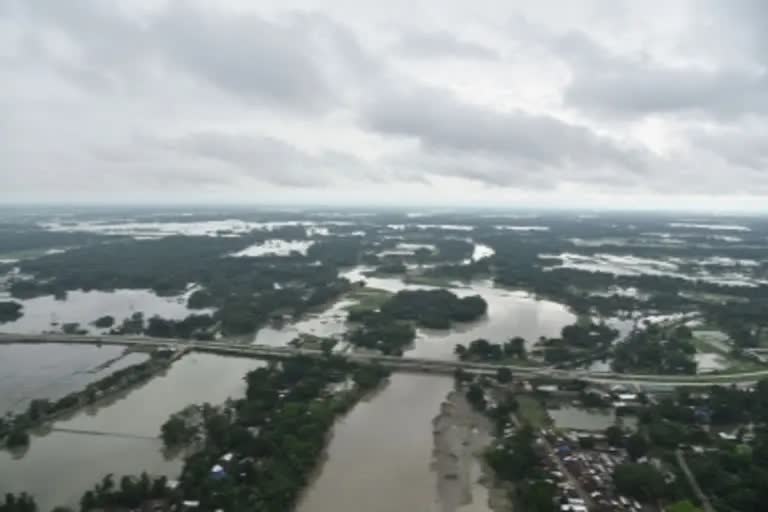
(398, 363)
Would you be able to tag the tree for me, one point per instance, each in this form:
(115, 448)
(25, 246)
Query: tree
(637, 446)
(21, 503)
(640, 481)
(201, 299)
(504, 375)
(460, 376)
(515, 347)
(175, 431)
(476, 397)
(104, 322)
(326, 346)
(614, 435)
(17, 438)
(683, 506)
(10, 311)
(538, 496)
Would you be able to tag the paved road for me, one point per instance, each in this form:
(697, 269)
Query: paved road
(400, 363)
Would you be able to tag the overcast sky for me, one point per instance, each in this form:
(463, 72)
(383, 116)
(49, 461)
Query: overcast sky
(589, 103)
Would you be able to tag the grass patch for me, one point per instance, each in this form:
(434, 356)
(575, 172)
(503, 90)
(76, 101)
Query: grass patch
(532, 411)
(704, 345)
(368, 299)
(442, 282)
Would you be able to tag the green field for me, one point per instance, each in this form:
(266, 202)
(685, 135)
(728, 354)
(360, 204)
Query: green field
(368, 299)
(532, 411)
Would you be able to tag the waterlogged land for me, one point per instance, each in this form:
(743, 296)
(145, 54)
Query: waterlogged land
(51, 371)
(119, 435)
(269, 277)
(49, 314)
(508, 312)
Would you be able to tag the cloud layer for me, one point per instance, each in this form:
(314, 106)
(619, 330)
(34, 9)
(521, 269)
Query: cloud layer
(234, 101)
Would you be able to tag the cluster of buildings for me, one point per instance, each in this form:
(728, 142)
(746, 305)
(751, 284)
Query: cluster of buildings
(588, 485)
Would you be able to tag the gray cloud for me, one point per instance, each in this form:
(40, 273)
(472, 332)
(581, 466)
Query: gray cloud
(636, 84)
(427, 45)
(239, 94)
(502, 148)
(742, 147)
(269, 160)
(298, 61)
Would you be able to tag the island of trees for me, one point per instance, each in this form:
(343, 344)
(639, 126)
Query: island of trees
(391, 328)
(10, 311)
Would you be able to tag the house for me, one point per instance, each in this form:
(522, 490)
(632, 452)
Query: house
(217, 472)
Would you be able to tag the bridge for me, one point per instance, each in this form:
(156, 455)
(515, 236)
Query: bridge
(421, 365)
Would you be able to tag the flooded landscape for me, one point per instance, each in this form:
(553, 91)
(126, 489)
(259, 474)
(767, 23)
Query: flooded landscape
(48, 313)
(119, 435)
(414, 442)
(509, 313)
(50, 371)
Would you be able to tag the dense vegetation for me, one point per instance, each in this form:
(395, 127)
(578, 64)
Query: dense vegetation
(19, 239)
(21, 503)
(104, 322)
(242, 289)
(517, 460)
(732, 469)
(577, 344)
(390, 329)
(484, 350)
(657, 350)
(642, 482)
(435, 309)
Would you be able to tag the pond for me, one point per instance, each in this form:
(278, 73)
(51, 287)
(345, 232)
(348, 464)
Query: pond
(60, 465)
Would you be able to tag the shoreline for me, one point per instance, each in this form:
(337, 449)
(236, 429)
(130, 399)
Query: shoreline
(464, 480)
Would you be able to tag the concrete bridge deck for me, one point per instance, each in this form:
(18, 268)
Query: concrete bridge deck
(422, 365)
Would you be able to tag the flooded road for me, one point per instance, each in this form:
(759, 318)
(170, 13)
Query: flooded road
(59, 466)
(379, 459)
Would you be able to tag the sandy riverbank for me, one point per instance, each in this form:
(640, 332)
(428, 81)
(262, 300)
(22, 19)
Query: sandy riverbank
(460, 436)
